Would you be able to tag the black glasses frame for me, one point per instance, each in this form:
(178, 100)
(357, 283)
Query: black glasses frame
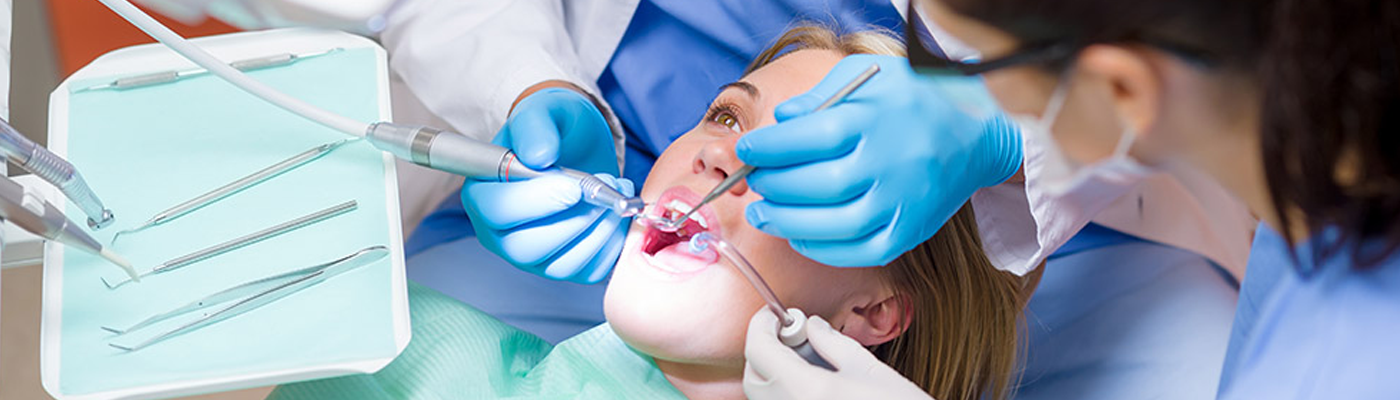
(1047, 53)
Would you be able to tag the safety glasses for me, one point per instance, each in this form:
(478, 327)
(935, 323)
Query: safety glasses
(928, 59)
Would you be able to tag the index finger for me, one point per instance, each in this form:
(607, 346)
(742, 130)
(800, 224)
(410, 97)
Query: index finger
(823, 135)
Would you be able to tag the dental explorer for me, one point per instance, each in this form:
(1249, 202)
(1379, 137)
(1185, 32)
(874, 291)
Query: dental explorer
(245, 240)
(239, 185)
(432, 148)
(794, 330)
(744, 171)
(30, 212)
(54, 169)
(156, 78)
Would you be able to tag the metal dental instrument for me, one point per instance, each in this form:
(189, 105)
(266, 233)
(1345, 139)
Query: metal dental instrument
(245, 65)
(794, 330)
(31, 213)
(251, 295)
(245, 240)
(239, 185)
(54, 169)
(744, 171)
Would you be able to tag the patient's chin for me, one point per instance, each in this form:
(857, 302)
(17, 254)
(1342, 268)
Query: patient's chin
(673, 336)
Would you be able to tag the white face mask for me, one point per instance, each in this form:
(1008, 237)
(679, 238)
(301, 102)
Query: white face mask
(1058, 173)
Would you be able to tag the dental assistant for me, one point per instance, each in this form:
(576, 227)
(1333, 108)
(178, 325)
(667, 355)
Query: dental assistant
(1299, 124)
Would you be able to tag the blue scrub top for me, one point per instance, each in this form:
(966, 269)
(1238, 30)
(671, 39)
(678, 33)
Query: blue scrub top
(1120, 317)
(671, 61)
(1325, 330)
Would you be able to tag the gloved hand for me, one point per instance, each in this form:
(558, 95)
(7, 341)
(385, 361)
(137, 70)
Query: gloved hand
(541, 225)
(862, 182)
(773, 371)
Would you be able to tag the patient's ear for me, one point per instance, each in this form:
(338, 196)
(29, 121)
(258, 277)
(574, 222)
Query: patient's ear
(879, 321)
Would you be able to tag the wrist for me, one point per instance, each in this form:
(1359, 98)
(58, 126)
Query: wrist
(546, 85)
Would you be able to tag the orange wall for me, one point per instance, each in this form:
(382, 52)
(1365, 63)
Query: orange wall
(85, 29)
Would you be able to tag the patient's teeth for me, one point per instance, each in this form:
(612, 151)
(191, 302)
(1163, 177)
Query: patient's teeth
(679, 208)
(701, 219)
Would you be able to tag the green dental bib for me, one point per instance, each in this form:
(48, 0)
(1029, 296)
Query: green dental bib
(459, 352)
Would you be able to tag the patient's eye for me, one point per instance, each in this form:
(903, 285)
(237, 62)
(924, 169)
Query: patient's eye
(725, 116)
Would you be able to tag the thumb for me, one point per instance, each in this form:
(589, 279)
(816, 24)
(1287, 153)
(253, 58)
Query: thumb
(533, 132)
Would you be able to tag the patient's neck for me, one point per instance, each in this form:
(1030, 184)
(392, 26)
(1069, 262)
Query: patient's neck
(704, 381)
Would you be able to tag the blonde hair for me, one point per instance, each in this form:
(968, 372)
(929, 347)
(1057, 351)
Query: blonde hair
(962, 339)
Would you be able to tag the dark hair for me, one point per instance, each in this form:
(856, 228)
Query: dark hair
(1328, 72)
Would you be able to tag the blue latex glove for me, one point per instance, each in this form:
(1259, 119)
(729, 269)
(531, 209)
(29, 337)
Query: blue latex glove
(862, 182)
(540, 225)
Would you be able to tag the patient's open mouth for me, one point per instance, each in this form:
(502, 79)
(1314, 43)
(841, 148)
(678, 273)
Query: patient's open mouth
(669, 250)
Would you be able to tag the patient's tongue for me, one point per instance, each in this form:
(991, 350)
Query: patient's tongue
(678, 257)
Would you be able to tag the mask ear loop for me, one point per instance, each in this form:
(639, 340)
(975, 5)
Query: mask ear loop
(1125, 142)
(1057, 102)
(1060, 96)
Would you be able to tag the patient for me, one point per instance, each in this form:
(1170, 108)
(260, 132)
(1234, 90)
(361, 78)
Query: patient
(940, 314)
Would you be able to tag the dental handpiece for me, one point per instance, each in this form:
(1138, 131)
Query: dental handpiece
(793, 333)
(30, 212)
(54, 169)
(458, 154)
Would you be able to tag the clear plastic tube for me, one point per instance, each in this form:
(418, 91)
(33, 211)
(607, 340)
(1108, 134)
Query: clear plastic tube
(701, 241)
(794, 330)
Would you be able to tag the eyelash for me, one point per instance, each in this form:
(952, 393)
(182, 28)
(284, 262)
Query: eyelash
(724, 110)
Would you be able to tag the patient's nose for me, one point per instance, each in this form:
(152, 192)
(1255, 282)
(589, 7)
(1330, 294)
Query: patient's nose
(717, 160)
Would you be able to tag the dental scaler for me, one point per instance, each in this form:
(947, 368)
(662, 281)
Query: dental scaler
(794, 331)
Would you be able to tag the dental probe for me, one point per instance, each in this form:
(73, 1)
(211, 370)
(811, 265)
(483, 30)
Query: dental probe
(251, 64)
(794, 331)
(231, 188)
(30, 212)
(246, 240)
(744, 171)
(45, 164)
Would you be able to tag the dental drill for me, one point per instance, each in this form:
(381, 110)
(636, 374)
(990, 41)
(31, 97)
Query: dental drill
(458, 154)
(429, 147)
(794, 330)
(54, 169)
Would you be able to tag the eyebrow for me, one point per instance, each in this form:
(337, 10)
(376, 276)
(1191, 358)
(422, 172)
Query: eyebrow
(745, 86)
